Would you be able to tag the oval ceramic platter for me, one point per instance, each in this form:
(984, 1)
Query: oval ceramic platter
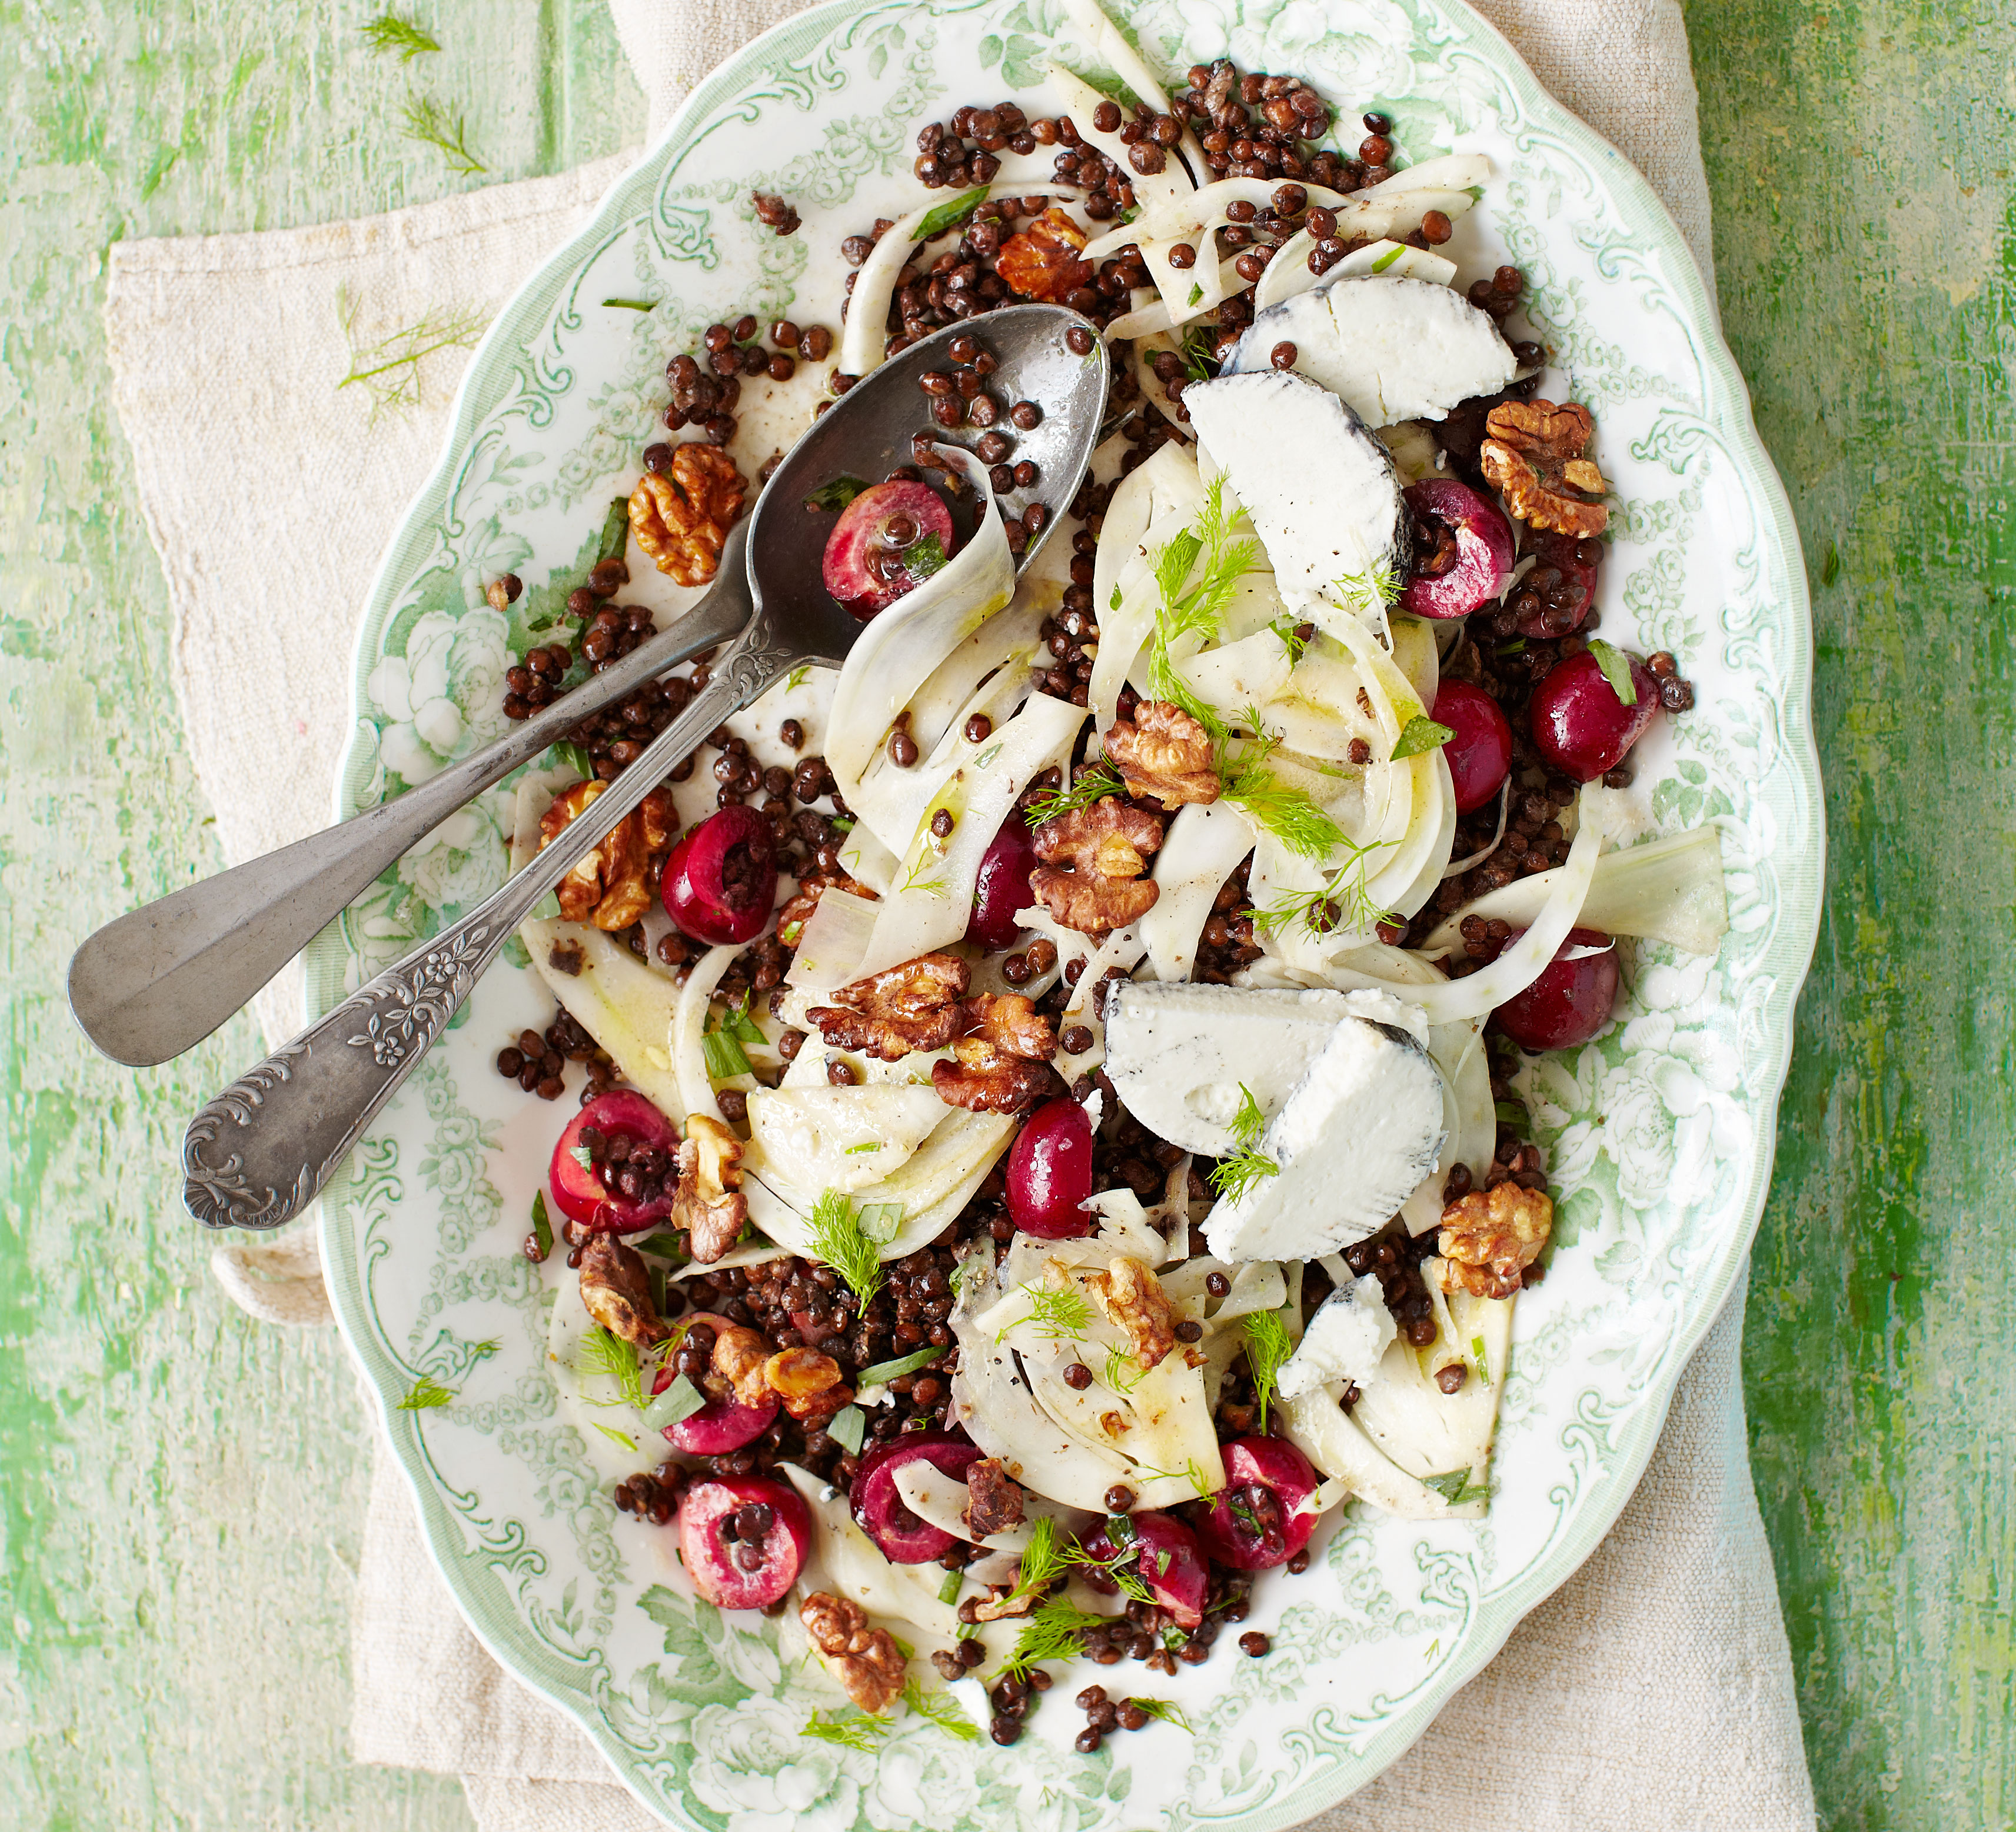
(1660, 1133)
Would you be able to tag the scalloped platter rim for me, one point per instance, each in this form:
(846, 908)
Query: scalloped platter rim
(1659, 1132)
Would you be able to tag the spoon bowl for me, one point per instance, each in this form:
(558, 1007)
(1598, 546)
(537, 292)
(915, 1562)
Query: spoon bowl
(257, 1155)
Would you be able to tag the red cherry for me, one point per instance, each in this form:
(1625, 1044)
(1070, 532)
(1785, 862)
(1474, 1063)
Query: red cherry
(721, 879)
(880, 1510)
(1480, 755)
(1580, 727)
(1050, 1172)
(1004, 884)
(1572, 999)
(719, 1427)
(1251, 1523)
(743, 1540)
(1483, 559)
(579, 1194)
(1167, 1559)
(866, 567)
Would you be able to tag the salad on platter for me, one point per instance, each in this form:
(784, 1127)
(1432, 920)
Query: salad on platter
(1048, 1137)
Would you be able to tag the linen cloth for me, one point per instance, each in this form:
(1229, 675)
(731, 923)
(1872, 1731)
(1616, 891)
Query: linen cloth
(1653, 1690)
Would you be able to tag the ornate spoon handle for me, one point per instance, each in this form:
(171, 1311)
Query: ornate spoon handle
(158, 980)
(261, 1151)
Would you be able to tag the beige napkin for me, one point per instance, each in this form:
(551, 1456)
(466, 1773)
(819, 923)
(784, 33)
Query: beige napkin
(1653, 1690)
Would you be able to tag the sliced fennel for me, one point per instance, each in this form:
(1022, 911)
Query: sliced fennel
(1202, 849)
(844, 1139)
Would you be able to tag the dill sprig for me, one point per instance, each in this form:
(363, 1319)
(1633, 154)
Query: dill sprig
(1234, 1176)
(1099, 779)
(389, 32)
(1289, 814)
(862, 1734)
(425, 1394)
(1122, 1569)
(389, 371)
(1267, 1346)
(1054, 1315)
(601, 1352)
(1291, 637)
(1044, 1558)
(1165, 1709)
(1123, 1372)
(1368, 592)
(1196, 611)
(1054, 1631)
(943, 1711)
(431, 124)
(1341, 902)
(839, 1240)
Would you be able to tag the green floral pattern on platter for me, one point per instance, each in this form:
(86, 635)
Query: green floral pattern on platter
(1659, 1132)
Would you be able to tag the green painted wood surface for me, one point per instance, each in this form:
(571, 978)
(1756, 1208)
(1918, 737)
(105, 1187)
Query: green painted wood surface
(181, 1491)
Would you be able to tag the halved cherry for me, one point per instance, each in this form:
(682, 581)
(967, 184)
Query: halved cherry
(743, 1539)
(1572, 999)
(1002, 887)
(1480, 755)
(719, 1427)
(1251, 1523)
(880, 1510)
(648, 1137)
(1469, 550)
(1166, 1557)
(888, 540)
(721, 879)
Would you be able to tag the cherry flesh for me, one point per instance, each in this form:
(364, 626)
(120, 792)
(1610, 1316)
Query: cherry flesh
(1565, 602)
(1003, 885)
(1572, 1001)
(1470, 550)
(720, 880)
(719, 1427)
(744, 1540)
(1167, 1558)
(1251, 1523)
(887, 542)
(1480, 755)
(579, 1189)
(1580, 726)
(1050, 1172)
(880, 1510)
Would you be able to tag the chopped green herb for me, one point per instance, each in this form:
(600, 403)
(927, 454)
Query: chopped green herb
(1292, 638)
(1616, 671)
(634, 304)
(1830, 564)
(1341, 902)
(923, 557)
(1386, 261)
(839, 1240)
(861, 1733)
(388, 32)
(798, 677)
(1510, 1113)
(542, 1227)
(615, 530)
(834, 496)
(1101, 779)
(615, 1436)
(680, 1400)
(569, 755)
(1194, 352)
(881, 1221)
(943, 1711)
(722, 1039)
(847, 1427)
(954, 210)
(856, 1151)
(1268, 1344)
(1044, 1558)
(954, 1581)
(425, 1393)
(1234, 1176)
(883, 1372)
(1421, 734)
(1197, 293)
(1055, 1315)
(1477, 1355)
(1289, 813)
(1516, 646)
(582, 1156)
(1456, 1488)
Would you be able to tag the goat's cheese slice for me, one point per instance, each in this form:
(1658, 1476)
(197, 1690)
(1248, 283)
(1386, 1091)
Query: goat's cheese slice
(1321, 489)
(1345, 1340)
(1392, 348)
(1179, 1055)
(1362, 1127)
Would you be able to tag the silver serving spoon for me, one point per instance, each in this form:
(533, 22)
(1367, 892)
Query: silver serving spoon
(257, 1155)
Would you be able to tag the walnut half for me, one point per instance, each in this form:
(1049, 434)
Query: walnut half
(865, 1660)
(682, 516)
(1001, 1059)
(1043, 261)
(1534, 454)
(1092, 859)
(1490, 1236)
(1163, 752)
(911, 1006)
(1133, 1300)
(616, 1290)
(708, 1204)
(611, 887)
